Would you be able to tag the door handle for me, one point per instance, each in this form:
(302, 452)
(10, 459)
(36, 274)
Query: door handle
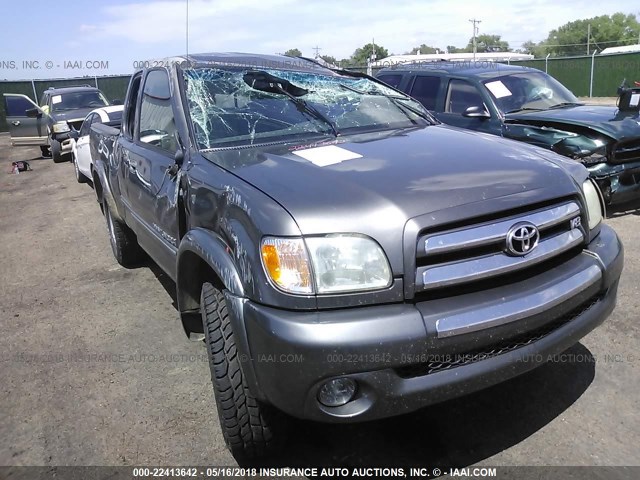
(16, 123)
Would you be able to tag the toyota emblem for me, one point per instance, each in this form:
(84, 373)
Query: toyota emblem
(522, 238)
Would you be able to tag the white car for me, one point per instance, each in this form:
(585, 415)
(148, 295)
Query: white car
(81, 151)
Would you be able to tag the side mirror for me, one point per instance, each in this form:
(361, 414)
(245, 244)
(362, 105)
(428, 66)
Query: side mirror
(178, 158)
(33, 112)
(476, 112)
(116, 101)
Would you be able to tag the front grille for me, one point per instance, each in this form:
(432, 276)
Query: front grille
(626, 151)
(448, 361)
(467, 254)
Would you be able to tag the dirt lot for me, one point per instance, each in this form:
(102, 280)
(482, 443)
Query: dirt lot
(95, 368)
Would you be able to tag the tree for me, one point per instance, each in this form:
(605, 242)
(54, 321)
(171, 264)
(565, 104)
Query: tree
(329, 59)
(423, 49)
(293, 52)
(488, 43)
(454, 49)
(606, 31)
(533, 48)
(361, 56)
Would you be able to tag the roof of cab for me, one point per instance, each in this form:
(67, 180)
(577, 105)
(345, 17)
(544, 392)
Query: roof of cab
(252, 60)
(71, 88)
(468, 69)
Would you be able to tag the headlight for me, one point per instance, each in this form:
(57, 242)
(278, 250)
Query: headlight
(594, 203)
(340, 263)
(345, 263)
(61, 127)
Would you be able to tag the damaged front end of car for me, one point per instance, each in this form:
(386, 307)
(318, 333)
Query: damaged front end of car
(615, 166)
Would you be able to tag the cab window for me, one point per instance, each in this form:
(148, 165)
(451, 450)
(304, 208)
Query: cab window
(462, 95)
(157, 125)
(86, 125)
(131, 105)
(425, 90)
(17, 106)
(393, 80)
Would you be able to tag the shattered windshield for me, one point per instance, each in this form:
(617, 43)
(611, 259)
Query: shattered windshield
(227, 109)
(528, 91)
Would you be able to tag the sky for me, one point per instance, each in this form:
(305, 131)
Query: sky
(109, 37)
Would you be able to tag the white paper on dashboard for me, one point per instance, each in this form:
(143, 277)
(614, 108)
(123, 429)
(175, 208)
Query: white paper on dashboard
(498, 89)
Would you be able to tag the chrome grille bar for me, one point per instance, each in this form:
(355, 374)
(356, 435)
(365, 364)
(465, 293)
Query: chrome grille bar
(475, 268)
(494, 232)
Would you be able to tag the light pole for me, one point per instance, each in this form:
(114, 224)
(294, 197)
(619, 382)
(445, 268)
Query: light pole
(475, 31)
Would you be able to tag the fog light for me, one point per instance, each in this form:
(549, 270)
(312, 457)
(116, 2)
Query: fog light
(337, 392)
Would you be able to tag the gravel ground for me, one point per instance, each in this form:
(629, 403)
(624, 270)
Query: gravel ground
(95, 368)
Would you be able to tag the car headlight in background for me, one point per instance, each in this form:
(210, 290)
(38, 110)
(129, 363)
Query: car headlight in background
(61, 127)
(340, 263)
(593, 200)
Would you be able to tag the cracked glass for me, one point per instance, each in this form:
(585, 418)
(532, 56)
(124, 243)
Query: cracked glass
(226, 111)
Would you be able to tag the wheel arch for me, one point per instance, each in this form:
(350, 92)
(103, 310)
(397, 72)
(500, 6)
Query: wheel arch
(202, 257)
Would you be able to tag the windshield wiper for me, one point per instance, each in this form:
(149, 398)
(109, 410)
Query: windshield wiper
(564, 104)
(397, 101)
(525, 109)
(266, 82)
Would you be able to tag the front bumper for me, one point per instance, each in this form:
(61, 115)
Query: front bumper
(618, 183)
(66, 142)
(401, 355)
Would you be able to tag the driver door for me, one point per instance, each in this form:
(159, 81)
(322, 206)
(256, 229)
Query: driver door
(151, 186)
(25, 129)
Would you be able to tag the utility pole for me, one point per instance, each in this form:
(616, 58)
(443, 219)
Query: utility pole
(317, 49)
(475, 32)
(372, 58)
(588, 37)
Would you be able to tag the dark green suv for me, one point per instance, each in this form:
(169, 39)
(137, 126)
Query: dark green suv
(528, 105)
(48, 125)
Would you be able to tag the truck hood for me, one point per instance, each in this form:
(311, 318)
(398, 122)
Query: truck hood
(391, 177)
(609, 121)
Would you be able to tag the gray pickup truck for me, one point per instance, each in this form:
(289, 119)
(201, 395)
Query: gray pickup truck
(344, 256)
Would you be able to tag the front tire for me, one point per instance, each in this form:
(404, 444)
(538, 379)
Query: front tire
(55, 152)
(247, 425)
(123, 241)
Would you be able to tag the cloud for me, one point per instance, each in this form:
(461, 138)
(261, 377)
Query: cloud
(338, 27)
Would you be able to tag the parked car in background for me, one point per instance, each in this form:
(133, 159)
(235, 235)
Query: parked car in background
(345, 256)
(528, 105)
(48, 125)
(80, 152)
